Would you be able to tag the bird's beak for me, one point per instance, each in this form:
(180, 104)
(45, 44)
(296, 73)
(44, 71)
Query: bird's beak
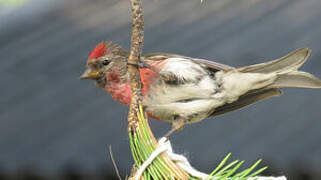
(90, 74)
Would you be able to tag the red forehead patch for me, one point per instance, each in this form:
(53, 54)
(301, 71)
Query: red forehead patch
(98, 51)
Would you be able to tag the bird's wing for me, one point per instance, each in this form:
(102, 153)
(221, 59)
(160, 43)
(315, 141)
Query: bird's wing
(247, 99)
(177, 69)
(214, 66)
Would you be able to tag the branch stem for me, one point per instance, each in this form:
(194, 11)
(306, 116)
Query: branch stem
(142, 140)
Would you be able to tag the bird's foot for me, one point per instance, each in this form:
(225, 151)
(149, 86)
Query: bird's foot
(176, 125)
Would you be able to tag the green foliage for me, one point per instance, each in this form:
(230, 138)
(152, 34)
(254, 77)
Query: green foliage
(142, 145)
(228, 172)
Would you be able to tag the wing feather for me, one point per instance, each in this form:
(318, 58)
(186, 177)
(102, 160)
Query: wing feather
(214, 66)
(247, 99)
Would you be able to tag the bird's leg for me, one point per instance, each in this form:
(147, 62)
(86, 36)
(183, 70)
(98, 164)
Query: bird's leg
(176, 125)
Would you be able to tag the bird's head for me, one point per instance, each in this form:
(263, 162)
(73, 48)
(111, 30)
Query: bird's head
(107, 61)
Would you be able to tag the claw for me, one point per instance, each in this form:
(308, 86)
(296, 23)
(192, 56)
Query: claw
(177, 125)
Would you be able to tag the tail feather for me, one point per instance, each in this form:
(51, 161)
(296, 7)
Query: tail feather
(297, 79)
(286, 69)
(269, 77)
(291, 61)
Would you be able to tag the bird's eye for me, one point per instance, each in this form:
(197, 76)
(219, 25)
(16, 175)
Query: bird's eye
(105, 62)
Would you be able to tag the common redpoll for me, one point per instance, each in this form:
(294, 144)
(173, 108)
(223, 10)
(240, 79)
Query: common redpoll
(180, 90)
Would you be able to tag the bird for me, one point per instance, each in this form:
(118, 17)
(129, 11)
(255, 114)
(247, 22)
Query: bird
(182, 90)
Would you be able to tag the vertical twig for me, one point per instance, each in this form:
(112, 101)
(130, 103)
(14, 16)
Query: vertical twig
(137, 38)
(135, 127)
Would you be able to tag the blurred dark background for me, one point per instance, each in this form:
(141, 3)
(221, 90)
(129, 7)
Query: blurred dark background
(52, 125)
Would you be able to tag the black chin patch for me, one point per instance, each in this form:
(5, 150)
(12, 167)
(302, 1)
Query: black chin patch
(101, 82)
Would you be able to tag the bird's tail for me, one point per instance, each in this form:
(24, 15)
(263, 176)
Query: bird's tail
(287, 72)
(287, 75)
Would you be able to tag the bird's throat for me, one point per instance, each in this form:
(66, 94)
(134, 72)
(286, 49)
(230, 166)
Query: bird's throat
(120, 89)
(120, 92)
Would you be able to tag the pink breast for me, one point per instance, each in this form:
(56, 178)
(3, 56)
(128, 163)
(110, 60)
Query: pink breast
(122, 92)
